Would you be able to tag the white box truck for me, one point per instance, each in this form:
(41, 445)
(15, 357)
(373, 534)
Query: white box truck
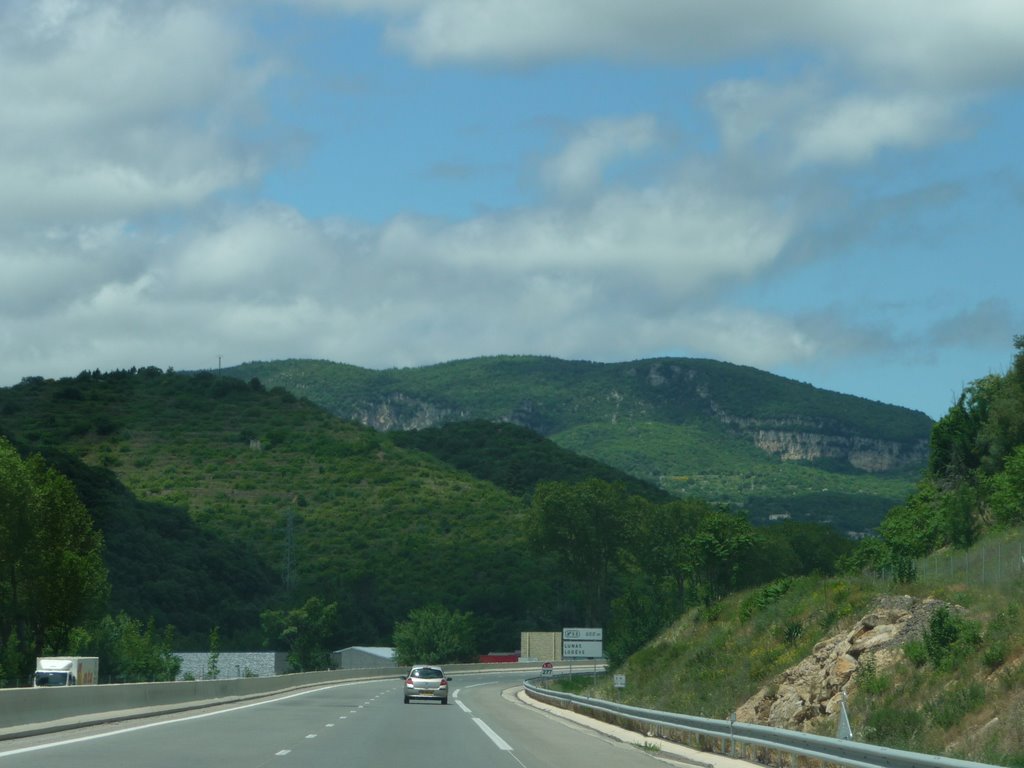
(66, 670)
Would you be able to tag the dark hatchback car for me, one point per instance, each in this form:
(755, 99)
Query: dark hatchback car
(426, 682)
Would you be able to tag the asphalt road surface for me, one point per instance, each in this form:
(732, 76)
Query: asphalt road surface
(349, 725)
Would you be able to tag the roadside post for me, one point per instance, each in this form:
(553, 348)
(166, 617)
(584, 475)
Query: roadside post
(844, 731)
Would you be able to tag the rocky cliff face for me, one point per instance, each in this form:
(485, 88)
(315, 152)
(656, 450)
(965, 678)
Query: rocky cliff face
(866, 454)
(790, 440)
(813, 688)
(397, 411)
(797, 439)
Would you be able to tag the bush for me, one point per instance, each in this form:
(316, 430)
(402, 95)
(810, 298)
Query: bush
(435, 635)
(916, 652)
(765, 596)
(994, 655)
(868, 679)
(950, 638)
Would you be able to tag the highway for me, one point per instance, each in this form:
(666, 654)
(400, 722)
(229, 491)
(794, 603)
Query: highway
(352, 725)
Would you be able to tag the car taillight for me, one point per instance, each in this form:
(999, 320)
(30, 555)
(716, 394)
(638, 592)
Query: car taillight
(408, 681)
(444, 683)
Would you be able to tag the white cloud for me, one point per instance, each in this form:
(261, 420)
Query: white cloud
(266, 253)
(45, 271)
(675, 240)
(854, 129)
(268, 282)
(806, 123)
(748, 337)
(960, 43)
(579, 167)
(117, 108)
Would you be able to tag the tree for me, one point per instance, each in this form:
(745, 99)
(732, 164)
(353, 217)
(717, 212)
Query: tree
(52, 575)
(582, 525)
(212, 662)
(953, 456)
(1003, 428)
(659, 540)
(129, 651)
(720, 545)
(1006, 490)
(434, 635)
(13, 661)
(303, 632)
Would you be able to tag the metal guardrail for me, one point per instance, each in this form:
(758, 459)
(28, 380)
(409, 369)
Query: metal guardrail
(757, 743)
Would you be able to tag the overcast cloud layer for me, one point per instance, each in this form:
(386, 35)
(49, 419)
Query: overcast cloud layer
(831, 191)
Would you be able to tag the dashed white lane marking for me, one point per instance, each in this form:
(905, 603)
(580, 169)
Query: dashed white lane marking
(310, 735)
(282, 753)
(499, 742)
(146, 726)
(465, 709)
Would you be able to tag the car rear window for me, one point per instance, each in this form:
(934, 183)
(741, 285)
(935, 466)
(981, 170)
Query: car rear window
(430, 674)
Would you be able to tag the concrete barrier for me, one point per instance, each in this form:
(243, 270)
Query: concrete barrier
(27, 711)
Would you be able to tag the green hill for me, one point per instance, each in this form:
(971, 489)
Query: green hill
(217, 498)
(771, 446)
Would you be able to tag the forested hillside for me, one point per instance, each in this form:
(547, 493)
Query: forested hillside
(516, 458)
(217, 498)
(219, 501)
(769, 446)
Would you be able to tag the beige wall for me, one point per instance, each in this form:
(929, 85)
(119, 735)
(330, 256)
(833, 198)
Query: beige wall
(543, 646)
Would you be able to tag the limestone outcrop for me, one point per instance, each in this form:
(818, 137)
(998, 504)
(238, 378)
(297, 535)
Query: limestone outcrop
(813, 688)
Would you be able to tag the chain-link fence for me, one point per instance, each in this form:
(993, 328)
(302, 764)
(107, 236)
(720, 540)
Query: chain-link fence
(997, 562)
(994, 562)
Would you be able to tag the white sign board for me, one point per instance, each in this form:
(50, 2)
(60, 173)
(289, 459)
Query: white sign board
(582, 643)
(620, 681)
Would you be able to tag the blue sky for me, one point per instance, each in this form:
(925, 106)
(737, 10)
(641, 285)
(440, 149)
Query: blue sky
(832, 192)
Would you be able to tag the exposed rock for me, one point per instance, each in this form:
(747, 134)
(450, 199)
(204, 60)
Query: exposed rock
(399, 411)
(814, 687)
(866, 454)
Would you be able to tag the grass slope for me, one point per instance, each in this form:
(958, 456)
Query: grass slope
(712, 660)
